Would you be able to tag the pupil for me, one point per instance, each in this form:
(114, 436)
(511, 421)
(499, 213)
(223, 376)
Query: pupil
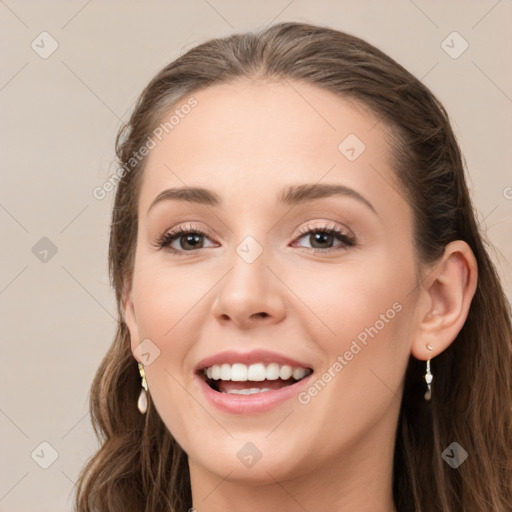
(322, 238)
(192, 237)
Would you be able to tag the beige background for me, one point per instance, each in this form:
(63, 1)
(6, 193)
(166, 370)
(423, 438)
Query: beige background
(59, 119)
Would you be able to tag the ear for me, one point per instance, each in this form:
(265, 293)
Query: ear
(446, 295)
(130, 318)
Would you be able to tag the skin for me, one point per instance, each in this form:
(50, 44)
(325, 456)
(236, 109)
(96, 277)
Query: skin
(246, 141)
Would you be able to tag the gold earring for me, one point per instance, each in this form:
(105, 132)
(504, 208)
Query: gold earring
(142, 402)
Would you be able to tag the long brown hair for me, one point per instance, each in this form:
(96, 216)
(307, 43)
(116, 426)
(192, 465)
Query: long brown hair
(140, 467)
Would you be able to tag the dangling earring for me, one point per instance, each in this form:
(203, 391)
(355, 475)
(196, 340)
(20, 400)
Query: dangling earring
(142, 402)
(428, 377)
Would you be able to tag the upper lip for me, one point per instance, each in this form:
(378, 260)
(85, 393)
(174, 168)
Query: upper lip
(248, 358)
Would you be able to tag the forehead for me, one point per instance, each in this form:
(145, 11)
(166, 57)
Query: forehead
(246, 139)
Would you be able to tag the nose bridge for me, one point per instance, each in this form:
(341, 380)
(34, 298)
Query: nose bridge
(249, 290)
(249, 275)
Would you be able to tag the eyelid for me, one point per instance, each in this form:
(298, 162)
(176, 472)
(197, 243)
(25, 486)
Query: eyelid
(324, 225)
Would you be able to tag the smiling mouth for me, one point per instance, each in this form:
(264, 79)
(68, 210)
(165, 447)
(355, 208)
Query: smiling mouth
(241, 379)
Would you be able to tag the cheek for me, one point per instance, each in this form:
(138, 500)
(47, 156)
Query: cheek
(365, 330)
(370, 311)
(360, 382)
(164, 296)
(170, 306)
(348, 299)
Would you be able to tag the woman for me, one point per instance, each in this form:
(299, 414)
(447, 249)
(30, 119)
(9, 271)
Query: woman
(308, 317)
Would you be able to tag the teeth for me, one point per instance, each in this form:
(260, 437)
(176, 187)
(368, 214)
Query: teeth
(285, 372)
(225, 372)
(238, 372)
(272, 371)
(251, 391)
(298, 373)
(258, 372)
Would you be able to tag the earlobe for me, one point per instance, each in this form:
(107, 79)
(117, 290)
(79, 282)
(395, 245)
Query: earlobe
(448, 291)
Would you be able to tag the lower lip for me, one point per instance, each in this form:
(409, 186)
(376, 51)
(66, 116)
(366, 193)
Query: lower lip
(251, 404)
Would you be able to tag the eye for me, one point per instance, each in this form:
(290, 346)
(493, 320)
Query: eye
(321, 238)
(188, 237)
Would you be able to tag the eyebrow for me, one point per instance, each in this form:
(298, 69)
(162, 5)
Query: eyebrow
(290, 196)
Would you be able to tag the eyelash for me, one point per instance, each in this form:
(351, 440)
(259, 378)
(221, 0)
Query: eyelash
(167, 238)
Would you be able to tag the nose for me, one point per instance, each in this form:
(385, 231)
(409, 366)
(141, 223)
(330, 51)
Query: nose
(250, 294)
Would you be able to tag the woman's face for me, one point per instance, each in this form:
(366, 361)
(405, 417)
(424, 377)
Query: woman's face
(257, 289)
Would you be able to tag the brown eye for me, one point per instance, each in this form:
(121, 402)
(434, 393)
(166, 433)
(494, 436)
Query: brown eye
(182, 240)
(190, 241)
(323, 238)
